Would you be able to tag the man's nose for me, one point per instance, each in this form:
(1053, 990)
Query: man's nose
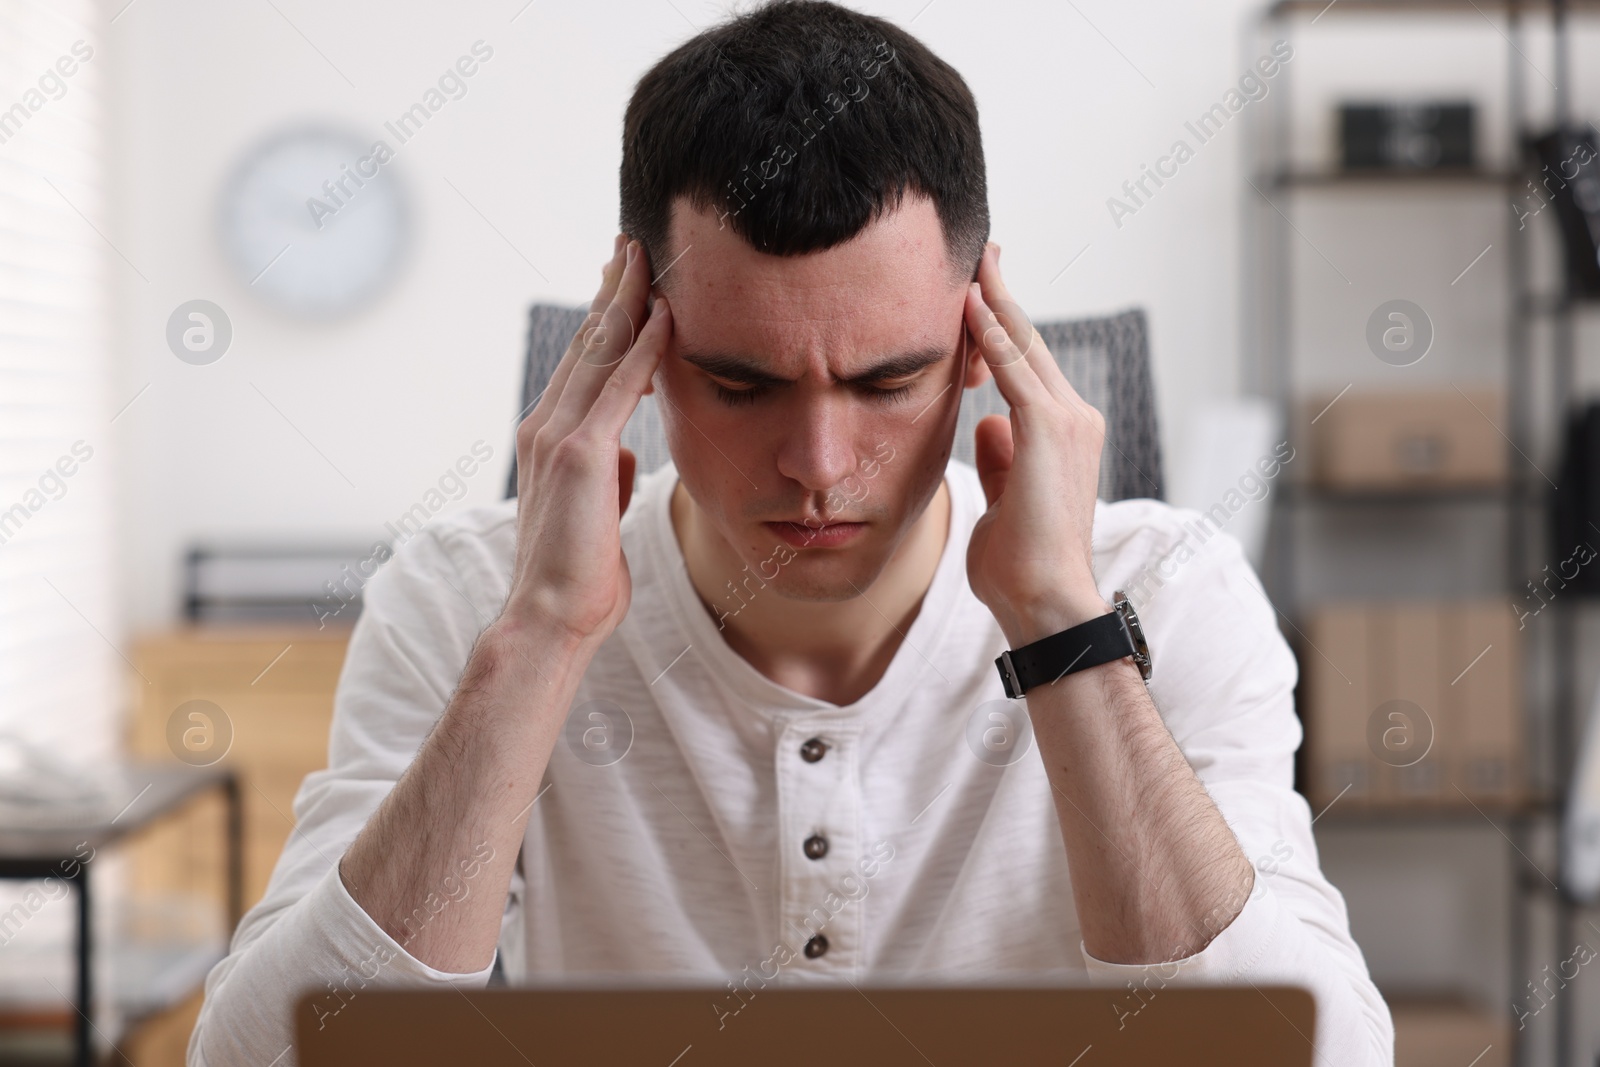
(816, 448)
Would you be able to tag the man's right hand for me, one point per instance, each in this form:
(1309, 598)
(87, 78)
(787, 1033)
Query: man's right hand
(473, 783)
(574, 478)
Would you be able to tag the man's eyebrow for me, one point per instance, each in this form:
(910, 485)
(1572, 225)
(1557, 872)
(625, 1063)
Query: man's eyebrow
(745, 372)
(730, 368)
(900, 366)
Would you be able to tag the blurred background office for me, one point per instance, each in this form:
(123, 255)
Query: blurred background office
(246, 352)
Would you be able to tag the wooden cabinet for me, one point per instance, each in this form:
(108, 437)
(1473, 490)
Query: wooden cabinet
(272, 691)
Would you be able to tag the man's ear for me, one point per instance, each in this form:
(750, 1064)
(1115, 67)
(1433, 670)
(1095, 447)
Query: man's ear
(977, 371)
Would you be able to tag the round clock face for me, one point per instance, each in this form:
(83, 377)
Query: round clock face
(314, 221)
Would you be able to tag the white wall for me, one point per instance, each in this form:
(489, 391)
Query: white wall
(1074, 99)
(395, 394)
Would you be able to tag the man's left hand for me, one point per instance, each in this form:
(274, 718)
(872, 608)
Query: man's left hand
(1030, 559)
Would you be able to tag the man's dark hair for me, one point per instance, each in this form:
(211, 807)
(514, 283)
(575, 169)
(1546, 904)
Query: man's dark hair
(800, 123)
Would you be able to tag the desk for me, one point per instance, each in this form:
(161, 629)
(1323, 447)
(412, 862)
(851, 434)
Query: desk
(55, 852)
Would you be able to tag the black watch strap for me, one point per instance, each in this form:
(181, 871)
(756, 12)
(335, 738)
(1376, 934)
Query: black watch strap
(1108, 637)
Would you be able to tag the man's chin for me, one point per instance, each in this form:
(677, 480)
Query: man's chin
(826, 578)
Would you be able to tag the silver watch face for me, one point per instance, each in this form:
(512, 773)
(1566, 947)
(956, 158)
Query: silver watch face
(1141, 655)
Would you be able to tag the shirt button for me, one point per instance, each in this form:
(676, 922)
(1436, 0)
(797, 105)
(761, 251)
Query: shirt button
(816, 847)
(812, 750)
(816, 947)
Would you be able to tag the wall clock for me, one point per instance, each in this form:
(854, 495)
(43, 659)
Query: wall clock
(314, 221)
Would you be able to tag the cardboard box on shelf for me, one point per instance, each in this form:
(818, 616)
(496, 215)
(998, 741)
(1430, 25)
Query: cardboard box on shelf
(1413, 703)
(1448, 1033)
(1486, 760)
(1408, 658)
(1335, 672)
(1418, 439)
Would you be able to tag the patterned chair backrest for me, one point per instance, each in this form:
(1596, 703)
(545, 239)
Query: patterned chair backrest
(1107, 359)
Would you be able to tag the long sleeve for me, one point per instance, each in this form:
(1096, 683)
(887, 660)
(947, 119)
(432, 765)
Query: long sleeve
(1224, 683)
(307, 934)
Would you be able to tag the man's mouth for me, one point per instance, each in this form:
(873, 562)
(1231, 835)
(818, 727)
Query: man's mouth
(816, 535)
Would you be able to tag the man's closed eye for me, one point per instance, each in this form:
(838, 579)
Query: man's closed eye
(885, 391)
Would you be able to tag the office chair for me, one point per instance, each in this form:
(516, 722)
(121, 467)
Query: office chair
(1107, 359)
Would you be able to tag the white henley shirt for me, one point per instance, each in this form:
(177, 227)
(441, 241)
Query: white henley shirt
(669, 838)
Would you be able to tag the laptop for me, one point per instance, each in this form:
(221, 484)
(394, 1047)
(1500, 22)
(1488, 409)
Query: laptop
(914, 1026)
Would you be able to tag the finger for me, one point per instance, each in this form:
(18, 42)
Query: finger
(1020, 330)
(617, 244)
(620, 393)
(1015, 377)
(1018, 327)
(609, 344)
(609, 341)
(997, 296)
(993, 451)
(611, 277)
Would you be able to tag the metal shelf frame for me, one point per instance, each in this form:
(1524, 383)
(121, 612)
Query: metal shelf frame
(45, 852)
(1267, 317)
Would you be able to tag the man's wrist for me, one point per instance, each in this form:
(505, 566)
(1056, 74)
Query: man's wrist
(531, 630)
(1050, 613)
(515, 689)
(547, 654)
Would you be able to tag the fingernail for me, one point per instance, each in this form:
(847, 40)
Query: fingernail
(997, 251)
(616, 244)
(976, 289)
(633, 249)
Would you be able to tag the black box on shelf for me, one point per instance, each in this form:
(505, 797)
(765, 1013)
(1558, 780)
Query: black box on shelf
(1406, 136)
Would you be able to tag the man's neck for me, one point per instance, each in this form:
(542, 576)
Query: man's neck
(832, 650)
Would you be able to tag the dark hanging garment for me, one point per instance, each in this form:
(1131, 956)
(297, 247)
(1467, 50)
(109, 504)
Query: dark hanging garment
(1575, 505)
(1569, 177)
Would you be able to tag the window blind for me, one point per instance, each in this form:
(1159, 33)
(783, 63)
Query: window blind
(61, 669)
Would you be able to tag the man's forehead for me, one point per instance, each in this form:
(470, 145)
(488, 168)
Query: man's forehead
(884, 292)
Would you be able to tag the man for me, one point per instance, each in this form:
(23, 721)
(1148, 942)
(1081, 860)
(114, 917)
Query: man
(743, 724)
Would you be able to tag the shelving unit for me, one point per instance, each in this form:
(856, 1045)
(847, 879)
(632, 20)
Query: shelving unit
(1280, 185)
(153, 976)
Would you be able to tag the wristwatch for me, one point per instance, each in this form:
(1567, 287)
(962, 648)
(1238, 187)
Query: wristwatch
(1112, 636)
